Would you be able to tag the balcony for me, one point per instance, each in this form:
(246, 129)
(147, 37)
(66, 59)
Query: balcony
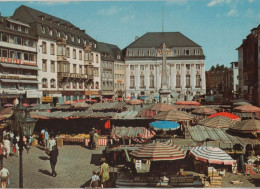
(88, 62)
(73, 75)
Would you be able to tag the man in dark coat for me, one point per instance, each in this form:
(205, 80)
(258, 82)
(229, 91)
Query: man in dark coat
(53, 159)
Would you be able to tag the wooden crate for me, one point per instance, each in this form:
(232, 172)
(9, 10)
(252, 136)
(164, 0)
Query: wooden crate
(59, 142)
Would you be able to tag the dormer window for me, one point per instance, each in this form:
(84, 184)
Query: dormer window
(58, 23)
(187, 52)
(141, 53)
(42, 18)
(43, 29)
(197, 52)
(50, 32)
(66, 36)
(118, 56)
(78, 40)
(150, 52)
(85, 42)
(58, 34)
(95, 45)
(72, 38)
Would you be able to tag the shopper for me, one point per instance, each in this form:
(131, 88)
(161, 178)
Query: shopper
(7, 146)
(4, 173)
(1, 152)
(104, 173)
(53, 159)
(94, 180)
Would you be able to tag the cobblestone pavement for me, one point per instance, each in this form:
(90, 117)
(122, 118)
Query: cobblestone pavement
(74, 167)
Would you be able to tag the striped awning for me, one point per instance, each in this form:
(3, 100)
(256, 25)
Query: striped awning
(159, 152)
(211, 154)
(217, 122)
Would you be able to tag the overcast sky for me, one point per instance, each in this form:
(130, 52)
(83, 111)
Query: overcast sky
(219, 26)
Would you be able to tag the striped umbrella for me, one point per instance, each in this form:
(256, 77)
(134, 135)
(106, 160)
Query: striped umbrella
(226, 114)
(135, 101)
(204, 111)
(162, 107)
(173, 116)
(217, 122)
(247, 126)
(165, 125)
(247, 108)
(159, 152)
(211, 154)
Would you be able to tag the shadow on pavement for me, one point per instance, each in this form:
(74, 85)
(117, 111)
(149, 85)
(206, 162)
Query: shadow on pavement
(44, 158)
(95, 159)
(255, 181)
(45, 172)
(40, 147)
(86, 184)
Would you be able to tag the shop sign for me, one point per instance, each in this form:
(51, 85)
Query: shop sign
(33, 94)
(91, 92)
(16, 61)
(47, 99)
(55, 95)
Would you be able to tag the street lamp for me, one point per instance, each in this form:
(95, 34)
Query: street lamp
(23, 124)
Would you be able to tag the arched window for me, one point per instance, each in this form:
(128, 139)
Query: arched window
(53, 83)
(81, 85)
(198, 81)
(44, 83)
(68, 85)
(97, 85)
(92, 85)
(74, 85)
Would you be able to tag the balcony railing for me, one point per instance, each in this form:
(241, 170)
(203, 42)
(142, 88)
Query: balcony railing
(74, 75)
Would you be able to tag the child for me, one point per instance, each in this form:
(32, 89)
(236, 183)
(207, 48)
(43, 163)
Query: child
(94, 180)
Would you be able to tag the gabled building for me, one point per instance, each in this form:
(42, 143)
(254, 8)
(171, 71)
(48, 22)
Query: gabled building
(113, 71)
(18, 68)
(249, 67)
(66, 56)
(185, 65)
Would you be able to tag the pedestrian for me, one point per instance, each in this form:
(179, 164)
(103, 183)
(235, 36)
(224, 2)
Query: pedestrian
(104, 173)
(94, 180)
(91, 140)
(4, 133)
(1, 152)
(7, 147)
(95, 139)
(46, 137)
(11, 137)
(42, 137)
(53, 159)
(51, 143)
(4, 173)
(17, 139)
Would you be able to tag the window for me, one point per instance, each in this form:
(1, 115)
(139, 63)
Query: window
(4, 53)
(74, 68)
(59, 68)
(151, 81)
(25, 56)
(198, 80)
(52, 49)
(19, 40)
(72, 38)
(18, 55)
(187, 52)
(132, 81)
(32, 57)
(81, 85)
(44, 65)
(50, 32)
(67, 85)
(67, 52)
(74, 84)
(44, 83)
(4, 37)
(151, 67)
(86, 56)
(141, 81)
(97, 85)
(78, 40)
(53, 66)
(141, 53)
(187, 80)
(53, 83)
(74, 53)
(198, 66)
(178, 80)
(141, 67)
(130, 53)
(178, 66)
(97, 59)
(60, 50)
(188, 66)
(26, 42)
(43, 29)
(11, 39)
(44, 47)
(58, 33)
(96, 72)
(176, 52)
(11, 54)
(132, 67)
(80, 54)
(118, 56)
(80, 69)
(196, 51)
(150, 52)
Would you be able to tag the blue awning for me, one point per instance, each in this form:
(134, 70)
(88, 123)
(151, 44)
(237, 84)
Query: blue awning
(143, 97)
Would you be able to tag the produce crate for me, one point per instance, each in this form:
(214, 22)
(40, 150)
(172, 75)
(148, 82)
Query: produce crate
(59, 142)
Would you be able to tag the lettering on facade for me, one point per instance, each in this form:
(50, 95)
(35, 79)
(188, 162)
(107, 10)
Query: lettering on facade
(16, 61)
(47, 99)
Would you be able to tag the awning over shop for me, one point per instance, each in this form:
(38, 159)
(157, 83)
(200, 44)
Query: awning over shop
(29, 81)
(19, 66)
(10, 80)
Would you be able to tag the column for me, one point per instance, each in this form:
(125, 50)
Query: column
(127, 77)
(172, 76)
(183, 76)
(157, 83)
(146, 77)
(193, 76)
(203, 81)
(137, 77)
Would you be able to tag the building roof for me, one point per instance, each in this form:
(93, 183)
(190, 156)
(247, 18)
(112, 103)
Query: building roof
(33, 17)
(156, 39)
(111, 50)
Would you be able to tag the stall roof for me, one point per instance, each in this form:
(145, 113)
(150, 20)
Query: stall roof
(127, 115)
(108, 106)
(244, 114)
(202, 133)
(185, 106)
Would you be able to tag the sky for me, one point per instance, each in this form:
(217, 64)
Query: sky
(219, 26)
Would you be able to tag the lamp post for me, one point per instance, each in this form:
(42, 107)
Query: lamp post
(23, 124)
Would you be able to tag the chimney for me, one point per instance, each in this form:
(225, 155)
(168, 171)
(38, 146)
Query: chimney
(136, 37)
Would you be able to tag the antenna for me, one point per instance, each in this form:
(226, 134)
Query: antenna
(162, 19)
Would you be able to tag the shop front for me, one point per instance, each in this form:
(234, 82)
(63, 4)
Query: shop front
(94, 95)
(72, 95)
(33, 97)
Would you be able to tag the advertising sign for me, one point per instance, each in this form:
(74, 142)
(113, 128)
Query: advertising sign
(33, 94)
(47, 99)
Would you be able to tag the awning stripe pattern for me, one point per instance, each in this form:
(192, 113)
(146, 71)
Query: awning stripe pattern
(211, 154)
